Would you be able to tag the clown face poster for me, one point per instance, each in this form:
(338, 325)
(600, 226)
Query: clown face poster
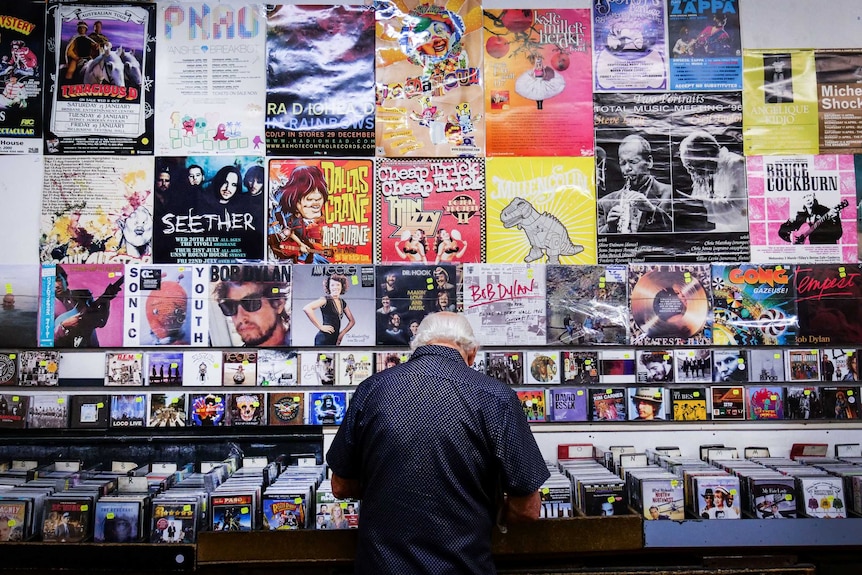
(429, 79)
(211, 78)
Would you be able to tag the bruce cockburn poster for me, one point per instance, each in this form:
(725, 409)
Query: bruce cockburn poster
(102, 66)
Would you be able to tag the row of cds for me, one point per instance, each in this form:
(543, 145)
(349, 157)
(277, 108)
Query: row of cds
(116, 305)
(268, 367)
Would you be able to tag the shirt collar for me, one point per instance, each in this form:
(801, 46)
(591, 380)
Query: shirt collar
(440, 350)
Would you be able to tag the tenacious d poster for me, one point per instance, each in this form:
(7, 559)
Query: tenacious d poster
(102, 60)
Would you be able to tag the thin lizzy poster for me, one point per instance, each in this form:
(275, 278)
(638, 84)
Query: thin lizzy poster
(102, 79)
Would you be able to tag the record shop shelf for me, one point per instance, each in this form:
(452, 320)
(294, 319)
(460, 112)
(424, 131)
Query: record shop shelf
(36, 557)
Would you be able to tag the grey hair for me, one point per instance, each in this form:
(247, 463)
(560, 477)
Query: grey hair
(446, 327)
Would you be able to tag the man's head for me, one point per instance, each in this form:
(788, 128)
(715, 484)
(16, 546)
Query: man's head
(448, 329)
(82, 27)
(657, 365)
(653, 512)
(808, 200)
(97, 26)
(648, 401)
(258, 310)
(385, 302)
(163, 181)
(699, 154)
(635, 155)
(196, 176)
(726, 362)
(325, 368)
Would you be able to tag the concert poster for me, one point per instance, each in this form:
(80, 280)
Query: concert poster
(538, 74)
(430, 93)
(277, 367)
(802, 209)
(166, 305)
(406, 294)
(629, 46)
(19, 305)
(671, 304)
(333, 305)
(587, 304)
(96, 211)
(505, 303)
(828, 298)
(780, 106)
(202, 368)
(705, 48)
(670, 177)
(208, 209)
(857, 163)
(22, 69)
(81, 305)
(541, 210)
(766, 365)
(430, 210)
(753, 305)
(164, 368)
(320, 80)
(839, 74)
(211, 80)
(320, 211)
(101, 66)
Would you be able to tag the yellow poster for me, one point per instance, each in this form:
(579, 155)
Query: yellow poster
(541, 210)
(779, 102)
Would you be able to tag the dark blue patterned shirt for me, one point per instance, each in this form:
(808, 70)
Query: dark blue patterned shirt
(431, 441)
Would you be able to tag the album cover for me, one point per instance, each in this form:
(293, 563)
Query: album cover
(19, 305)
(287, 408)
(728, 402)
(81, 306)
(239, 368)
(319, 80)
(211, 78)
(662, 499)
(693, 365)
(277, 367)
(48, 411)
(128, 411)
(689, 403)
(654, 365)
(543, 367)
(67, 518)
(326, 407)
(671, 304)
(538, 74)
(16, 516)
(617, 366)
(802, 208)
(647, 403)
(284, 512)
(246, 409)
(233, 512)
(100, 73)
(421, 110)
(804, 402)
(39, 367)
(320, 212)
(766, 365)
(166, 305)
(333, 305)
(838, 365)
(174, 521)
(773, 498)
(608, 404)
(541, 210)
(202, 368)
(385, 360)
(717, 497)
(124, 368)
(827, 301)
(208, 209)
(587, 304)
(533, 403)
(168, 410)
(765, 402)
(8, 368)
(753, 305)
(505, 366)
(567, 404)
(165, 368)
(629, 47)
(802, 364)
(206, 409)
(821, 497)
(89, 411)
(355, 366)
(117, 521)
(335, 513)
(13, 410)
(250, 305)
(705, 46)
(580, 367)
(406, 294)
(730, 365)
(318, 368)
(840, 402)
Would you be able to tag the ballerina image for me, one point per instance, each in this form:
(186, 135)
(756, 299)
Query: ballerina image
(540, 83)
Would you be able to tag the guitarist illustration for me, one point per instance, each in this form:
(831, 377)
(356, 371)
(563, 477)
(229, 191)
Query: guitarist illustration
(78, 315)
(298, 233)
(814, 223)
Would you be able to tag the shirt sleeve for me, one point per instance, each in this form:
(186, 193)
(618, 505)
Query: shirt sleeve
(521, 461)
(343, 457)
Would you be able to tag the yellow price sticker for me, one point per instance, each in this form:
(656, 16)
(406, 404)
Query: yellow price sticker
(109, 515)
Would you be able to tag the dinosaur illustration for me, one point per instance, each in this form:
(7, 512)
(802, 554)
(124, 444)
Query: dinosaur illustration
(546, 234)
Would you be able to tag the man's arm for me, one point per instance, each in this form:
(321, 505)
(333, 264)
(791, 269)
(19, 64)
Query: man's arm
(520, 509)
(347, 488)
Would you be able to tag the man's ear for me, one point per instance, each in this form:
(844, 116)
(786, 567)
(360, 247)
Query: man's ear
(471, 357)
